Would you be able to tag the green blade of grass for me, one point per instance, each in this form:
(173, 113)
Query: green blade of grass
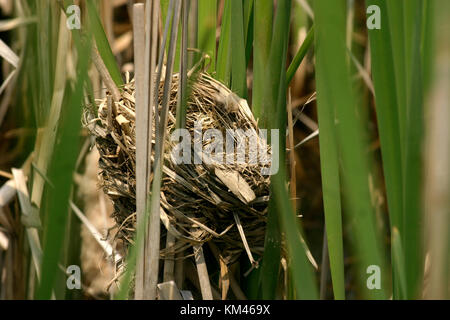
(238, 63)
(300, 268)
(399, 265)
(223, 52)
(412, 218)
(427, 42)
(248, 25)
(45, 76)
(383, 67)
(396, 19)
(331, 189)
(263, 19)
(45, 150)
(275, 103)
(272, 244)
(103, 44)
(272, 255)
(295, 64)
(335, 94)
(207, 11)
(61, 175)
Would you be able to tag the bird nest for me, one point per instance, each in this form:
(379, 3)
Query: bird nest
(220, 201)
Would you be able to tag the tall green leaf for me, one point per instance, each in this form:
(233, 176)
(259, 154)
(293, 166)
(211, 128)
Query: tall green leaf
(335, 95)
(263, 19)
(331, 189)
(387, 109)
(224, 50)
(412, 217)
(207, 11)
(238, 66)
(274, 102)
(295, 64)
(61, 175)
(397, 32)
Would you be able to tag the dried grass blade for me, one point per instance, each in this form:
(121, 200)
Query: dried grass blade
(244, 239)
(9, 55)
(49, 137)
(105, 245)
(27, 212)
(202, 271)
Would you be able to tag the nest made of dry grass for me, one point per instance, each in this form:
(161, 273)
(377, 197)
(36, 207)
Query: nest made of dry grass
(199, 202)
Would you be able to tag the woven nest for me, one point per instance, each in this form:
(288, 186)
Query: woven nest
(223, 203)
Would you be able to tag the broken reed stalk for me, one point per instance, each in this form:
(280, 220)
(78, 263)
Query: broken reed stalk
(202, 272)
(239, 294)
(111, 254)
(104, 73)
(8, 192)
(29, 217)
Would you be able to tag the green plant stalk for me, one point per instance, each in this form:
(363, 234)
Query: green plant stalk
(268, 274)
(334, 92)
(301, 270)
(272, 244)
(331, 189)
(269, 99)
(331, 186)
(395, 15)
(412, 216)
(295, 64)
(248, 25)
(224, 50)
(61, 174)
(262, 37)
(238, 65)
(45, 74)
(399, 265)
(207, 11)
(125, 282)
(427, 42)
(383, 67)
(275, 103)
